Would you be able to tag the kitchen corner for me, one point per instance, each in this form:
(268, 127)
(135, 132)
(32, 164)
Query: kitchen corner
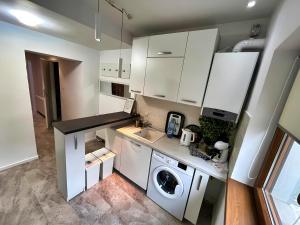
(172, 148)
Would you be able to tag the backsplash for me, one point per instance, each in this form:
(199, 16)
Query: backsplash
(155, 111)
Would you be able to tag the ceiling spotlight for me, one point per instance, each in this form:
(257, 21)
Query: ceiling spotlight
(251, 4)
(26, 18)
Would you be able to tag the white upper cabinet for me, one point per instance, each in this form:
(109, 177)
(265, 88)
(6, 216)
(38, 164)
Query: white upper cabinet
(138, 64)
(198, 57)
(163, 77)
(167, 45)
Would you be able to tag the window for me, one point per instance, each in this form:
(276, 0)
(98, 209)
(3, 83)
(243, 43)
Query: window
(279, 181)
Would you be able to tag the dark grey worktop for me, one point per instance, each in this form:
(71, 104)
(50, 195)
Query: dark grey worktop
(72, 126)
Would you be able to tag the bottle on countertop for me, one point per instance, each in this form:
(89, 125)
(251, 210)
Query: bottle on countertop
(171, 128)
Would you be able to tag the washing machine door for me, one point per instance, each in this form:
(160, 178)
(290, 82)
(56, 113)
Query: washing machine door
(167, 182)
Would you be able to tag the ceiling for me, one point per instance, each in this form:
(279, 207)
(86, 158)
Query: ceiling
(73, 20)
(61, 26)
(155, 16)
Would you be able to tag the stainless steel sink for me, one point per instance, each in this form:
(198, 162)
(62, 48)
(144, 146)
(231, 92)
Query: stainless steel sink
(149, 134)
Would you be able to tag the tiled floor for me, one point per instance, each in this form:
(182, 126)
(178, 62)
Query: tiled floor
(29, 195)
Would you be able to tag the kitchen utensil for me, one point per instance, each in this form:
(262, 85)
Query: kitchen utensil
(187, 137)
(223, 148)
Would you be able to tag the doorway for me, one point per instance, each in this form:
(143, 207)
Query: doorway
(44, 86)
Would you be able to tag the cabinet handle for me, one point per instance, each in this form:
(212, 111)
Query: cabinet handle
(164, 53)
(190, 101)
(160, 96)
(199, 183)
(75, 142)
(136, 144)
(135, 91)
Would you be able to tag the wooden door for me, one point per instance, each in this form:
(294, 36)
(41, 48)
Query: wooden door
(47, 92)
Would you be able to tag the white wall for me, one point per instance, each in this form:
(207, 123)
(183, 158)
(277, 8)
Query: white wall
(17, 141)
(274, 70)
(112, 56)
(232, 33)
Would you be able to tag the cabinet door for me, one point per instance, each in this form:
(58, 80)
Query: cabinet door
(198, 57)
(196, 196)
(125, 71)
(135, 162)
(138, 64)
(163, 77)
(167, 45)
(113, 142)
(75, 164)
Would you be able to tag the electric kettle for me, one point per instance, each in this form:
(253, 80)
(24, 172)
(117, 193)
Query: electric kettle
(187, 137)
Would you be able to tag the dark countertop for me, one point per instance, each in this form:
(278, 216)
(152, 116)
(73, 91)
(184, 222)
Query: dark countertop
(76, 125)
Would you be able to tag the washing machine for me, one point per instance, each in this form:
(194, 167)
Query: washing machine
(169, 183)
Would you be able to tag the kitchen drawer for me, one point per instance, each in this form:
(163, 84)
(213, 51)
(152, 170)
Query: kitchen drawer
(167, 45)
(163, 77)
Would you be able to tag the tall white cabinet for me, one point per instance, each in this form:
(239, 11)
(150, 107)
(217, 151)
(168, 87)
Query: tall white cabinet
(200, 49)
(138, 64)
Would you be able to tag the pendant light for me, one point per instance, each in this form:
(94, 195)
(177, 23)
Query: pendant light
(98, 24)
(121, 43)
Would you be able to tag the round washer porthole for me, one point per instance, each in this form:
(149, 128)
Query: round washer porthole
(167, 182)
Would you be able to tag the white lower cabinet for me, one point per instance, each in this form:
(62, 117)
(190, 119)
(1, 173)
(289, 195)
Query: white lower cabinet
(196, 196)
(70, 163)
(135, 162)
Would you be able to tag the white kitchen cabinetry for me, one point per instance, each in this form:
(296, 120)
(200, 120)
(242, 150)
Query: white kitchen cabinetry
(196, 196)
(135, 162)
(109, 69)
(70, 163)
(113, 142)
(167, 45)
(163, 77)
(138, 64)
(200, 48)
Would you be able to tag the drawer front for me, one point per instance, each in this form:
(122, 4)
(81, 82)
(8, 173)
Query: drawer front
(167, 45)
(163, 77)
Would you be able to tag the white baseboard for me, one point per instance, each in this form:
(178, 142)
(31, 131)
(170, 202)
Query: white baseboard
(19, 163)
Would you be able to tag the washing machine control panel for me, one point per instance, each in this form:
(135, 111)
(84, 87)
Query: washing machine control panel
(172, 162)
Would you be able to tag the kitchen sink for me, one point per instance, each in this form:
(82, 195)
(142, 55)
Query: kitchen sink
(149, 134)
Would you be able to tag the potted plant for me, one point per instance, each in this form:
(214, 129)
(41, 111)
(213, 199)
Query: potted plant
(214, 130)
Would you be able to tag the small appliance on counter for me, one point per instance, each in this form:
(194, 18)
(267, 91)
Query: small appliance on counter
(174, 124)
(187, 137)
(223, 155)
